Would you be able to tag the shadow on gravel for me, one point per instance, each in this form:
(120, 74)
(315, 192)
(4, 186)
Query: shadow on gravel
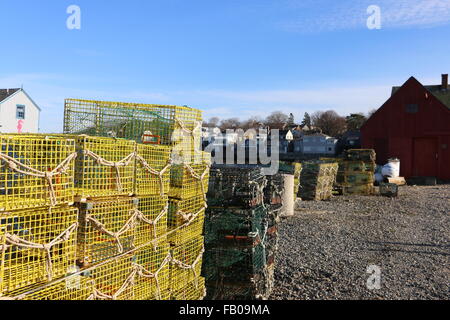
(437, 253)
(410, 244)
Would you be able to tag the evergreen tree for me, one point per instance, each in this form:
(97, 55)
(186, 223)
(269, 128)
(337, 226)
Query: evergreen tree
(306, 120)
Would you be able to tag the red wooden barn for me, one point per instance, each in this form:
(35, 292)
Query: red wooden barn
(414, 126)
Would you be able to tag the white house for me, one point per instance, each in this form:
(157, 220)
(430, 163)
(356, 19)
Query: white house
(18, 112)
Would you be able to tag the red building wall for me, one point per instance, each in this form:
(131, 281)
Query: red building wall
(393, 132)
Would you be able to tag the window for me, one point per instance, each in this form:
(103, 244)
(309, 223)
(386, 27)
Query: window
(20, 111)
(412, 108)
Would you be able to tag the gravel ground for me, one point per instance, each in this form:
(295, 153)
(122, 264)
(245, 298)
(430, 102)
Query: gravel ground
(326, 248)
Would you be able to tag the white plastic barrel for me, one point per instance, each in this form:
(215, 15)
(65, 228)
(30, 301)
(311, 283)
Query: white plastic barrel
(288, 196)
(391, 169)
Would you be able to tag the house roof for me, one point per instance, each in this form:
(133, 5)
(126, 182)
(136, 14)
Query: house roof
(436, 90)
(5, 93)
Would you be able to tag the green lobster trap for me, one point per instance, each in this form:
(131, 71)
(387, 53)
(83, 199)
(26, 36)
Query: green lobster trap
(36, 171)
(39, 245)
(166, 125)
(317, 180)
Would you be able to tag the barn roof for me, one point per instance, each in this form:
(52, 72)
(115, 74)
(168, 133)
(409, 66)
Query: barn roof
(441, 95)
(5, 93)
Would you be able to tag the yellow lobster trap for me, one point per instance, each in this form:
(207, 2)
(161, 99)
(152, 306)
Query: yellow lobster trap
(188, 180)
(35, 171)
(152, 267)
(74, 287)
(193, 228)
(153, 219)
(39, 246)
(166, 125)
(107, 228)
(104, 167)
(195, 290)
(152, 170)
(114, 280)
(186, 263)
(182, 211)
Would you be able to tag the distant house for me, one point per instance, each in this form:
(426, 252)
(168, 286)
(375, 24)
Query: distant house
(350, 140)
(286, 138)
(413, 125)
(18, 112)
(319, 143)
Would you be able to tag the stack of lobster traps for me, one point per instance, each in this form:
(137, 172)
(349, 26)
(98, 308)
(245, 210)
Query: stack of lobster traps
(241, 235)
(358, 169)
(87, 214)
(317, 180)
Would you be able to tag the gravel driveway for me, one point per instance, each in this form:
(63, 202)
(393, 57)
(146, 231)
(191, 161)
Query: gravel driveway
(326, 248)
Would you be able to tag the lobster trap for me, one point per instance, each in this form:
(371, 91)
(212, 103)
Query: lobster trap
(104, 167)
(364, 189)
(114, 279)
(317, 180)
(168, 125)
(186, 263)
(366, 155)
(152, 170)
(188, 231)
(188, 180)
(236, 186)
(152, 266)
(107, 228)
(195, 290)
(182, 211)
(258, 289)
(35, 171)
(235, 227)
(153, 222)
(273, 192)
(39, 246)
(74, 287)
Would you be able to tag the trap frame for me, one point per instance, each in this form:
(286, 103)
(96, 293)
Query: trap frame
(35, 171)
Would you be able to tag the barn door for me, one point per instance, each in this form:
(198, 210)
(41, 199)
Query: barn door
(425, 161)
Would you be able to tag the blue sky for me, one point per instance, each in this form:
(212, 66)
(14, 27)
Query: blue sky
(226, 57)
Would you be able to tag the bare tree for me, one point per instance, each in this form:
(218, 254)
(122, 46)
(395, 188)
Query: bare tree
(252, 123)
(212, 122)
(277, 120)
(330, 122)
(232, 123)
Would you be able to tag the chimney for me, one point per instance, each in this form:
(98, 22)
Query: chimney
(444, 81)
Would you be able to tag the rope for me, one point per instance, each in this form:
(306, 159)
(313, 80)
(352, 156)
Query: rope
(189, 217)
(14, 240)
(97, 294)
(183, 127)
(160, 174)
(153, 222)
(199, 177)
(16, 165)
(185, 266)
(142, 272)
(131, 222)
(116, 165)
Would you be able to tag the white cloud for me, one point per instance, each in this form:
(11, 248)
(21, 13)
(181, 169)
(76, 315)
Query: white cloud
(349, 14)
